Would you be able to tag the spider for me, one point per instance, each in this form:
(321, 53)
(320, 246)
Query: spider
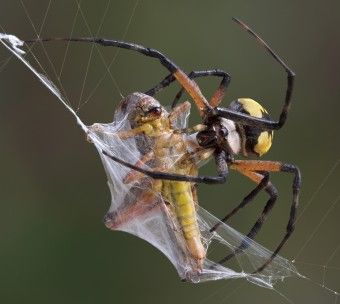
(242, 128)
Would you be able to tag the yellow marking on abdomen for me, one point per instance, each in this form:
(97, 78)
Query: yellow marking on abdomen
(252, 107)
(264, 142)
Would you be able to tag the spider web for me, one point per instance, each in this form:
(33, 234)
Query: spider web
(227, 236)
(154, 226)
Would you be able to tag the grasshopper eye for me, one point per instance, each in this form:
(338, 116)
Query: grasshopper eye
(155, 111)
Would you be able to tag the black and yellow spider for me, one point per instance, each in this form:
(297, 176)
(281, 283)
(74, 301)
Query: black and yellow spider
(242, 128)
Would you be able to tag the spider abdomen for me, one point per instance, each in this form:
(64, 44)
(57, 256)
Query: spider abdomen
(255, 141)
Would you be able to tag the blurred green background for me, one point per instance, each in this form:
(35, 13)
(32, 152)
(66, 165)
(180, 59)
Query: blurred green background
(54, 247)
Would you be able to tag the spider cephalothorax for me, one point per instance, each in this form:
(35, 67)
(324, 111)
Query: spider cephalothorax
(221, 134)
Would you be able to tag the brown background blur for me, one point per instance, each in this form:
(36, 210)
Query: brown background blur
(53, 245)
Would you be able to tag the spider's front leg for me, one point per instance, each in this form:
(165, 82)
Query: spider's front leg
(264, 124)
(216, 98)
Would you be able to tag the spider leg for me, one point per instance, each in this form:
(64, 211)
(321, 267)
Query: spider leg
(247, 199)
(189, 85)
(272, 166)
(215, 100)
(292, 218)
(263, 123)
(219, 93)
(161, 85)
(272, 192)
(222, 171)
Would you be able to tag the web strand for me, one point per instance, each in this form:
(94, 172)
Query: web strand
(321, 185)
(44, 49)
(68, 42)
(115, 55)
(324, 217)
(98, 49)
(91, 53)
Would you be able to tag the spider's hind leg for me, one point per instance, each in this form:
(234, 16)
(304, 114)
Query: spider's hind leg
(251, 167)
(266, 185)
(247, 199)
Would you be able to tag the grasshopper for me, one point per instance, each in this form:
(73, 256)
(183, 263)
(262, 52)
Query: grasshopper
(166, 149)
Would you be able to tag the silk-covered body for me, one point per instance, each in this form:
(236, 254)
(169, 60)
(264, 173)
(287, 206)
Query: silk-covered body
(164, 147)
